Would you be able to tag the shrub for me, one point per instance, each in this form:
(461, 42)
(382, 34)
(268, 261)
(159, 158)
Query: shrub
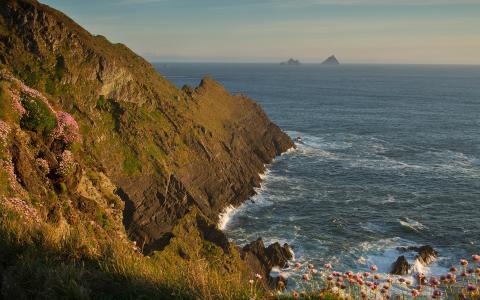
(39, 117)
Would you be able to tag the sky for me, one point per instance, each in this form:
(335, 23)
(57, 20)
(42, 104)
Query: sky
(356, 31)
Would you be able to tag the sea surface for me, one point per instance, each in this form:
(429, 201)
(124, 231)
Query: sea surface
(389, 157)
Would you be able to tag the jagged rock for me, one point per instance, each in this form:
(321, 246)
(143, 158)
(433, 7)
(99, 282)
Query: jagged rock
(261, 260)
(426, 255)
(278, 255)
(400, 266)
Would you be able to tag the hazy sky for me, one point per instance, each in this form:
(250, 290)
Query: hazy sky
(362, 31)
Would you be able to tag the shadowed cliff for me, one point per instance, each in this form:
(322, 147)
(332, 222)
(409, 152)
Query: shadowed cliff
(166, 150)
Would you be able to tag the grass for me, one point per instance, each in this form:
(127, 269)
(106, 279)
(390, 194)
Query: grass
(60, 261)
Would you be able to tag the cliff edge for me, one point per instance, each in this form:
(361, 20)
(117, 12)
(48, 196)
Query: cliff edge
(171, 158)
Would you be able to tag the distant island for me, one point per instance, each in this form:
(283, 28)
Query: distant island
(332, 60)
(291, 62)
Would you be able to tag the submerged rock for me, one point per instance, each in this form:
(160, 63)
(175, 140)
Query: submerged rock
(400, 266)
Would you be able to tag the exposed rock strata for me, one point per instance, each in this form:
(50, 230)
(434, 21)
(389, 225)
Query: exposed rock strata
(167, 150)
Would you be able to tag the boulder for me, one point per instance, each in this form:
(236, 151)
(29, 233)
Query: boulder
(426, 255)
(262, 259)
(400, 266)
(278, 255)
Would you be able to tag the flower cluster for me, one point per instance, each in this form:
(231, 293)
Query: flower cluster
(17, 102)
(67, 128)
(7, 166)
(23, 208)
(67, 164)
(43, 165)
(372, 285)
(16, 96)
(4, 131)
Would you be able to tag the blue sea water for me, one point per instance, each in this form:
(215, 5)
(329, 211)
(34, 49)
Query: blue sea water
(390, 157)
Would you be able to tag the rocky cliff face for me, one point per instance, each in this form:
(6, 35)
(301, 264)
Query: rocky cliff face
(166, 151)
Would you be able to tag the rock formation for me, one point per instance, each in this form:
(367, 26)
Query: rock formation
(161, 161)
(331, 60)
(291, 62)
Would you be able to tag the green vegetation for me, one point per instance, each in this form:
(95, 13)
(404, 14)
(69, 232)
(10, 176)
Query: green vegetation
(39, 117)
(131, 163)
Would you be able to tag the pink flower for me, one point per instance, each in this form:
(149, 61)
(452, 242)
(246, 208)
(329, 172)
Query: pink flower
(471, 288)
(43, 165)
(366, 274)
(464, 262)
(306, 277)
(476, 258)
(373, 268)
(311, 266)
(298, 265)
(67, 164)
(415, 293)
(4, 132)
(67, 128)
(436, 294)
(327, 266)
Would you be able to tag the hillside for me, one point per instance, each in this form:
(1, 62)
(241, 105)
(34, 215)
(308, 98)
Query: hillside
(99, 151)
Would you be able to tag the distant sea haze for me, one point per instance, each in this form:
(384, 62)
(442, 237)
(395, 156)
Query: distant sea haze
(389, 156)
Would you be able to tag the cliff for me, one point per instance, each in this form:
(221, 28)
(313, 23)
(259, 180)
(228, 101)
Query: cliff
(94, 136)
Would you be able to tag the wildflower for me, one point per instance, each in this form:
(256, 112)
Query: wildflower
(67, 164)
(434, 282)
(329, 277)
(377, 276)
(298, 265)
(43, 165)
(436, 294)
(251, 281)
(258, 276)
(415, 293)
(314, 271)
(373, 268)
(327, 266)
(310, 266)
(295, 294)
(306, 277)
(4, 131)
(470, 271)
(303, 294)
(348, 274)
(453, 269)
(476, 258)
(390, 280)
(360, 282)
(464, 262)
(67, 128)
(366, 274)
(471, 288)
(401, 280)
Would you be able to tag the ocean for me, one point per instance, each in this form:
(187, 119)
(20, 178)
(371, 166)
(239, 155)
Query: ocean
(389, 156)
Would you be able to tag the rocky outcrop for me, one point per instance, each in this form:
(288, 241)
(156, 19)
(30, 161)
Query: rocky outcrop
(400, 266)
(331, 60)
(167, 151)
(425, 256)
(262, 259)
